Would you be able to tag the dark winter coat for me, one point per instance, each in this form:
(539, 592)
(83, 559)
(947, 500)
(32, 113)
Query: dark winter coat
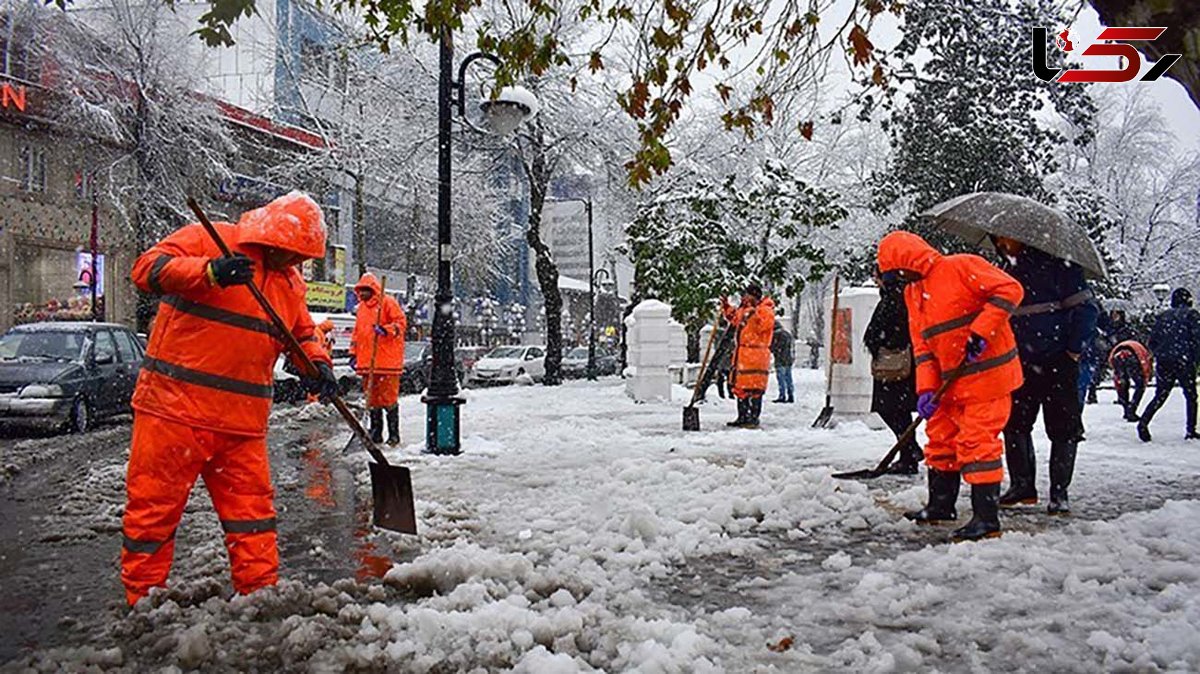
(783, 346)
(1058, 314)
(888, 329)
(1175, 339)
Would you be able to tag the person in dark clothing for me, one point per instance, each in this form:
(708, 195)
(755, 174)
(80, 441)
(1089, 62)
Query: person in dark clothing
(1131, 364)
(1092, 360)
(1175, 341)
(894, 399)
(724, 366)
(1055, 321)
(784, 352)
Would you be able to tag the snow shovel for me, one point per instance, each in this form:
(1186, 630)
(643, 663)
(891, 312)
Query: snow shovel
(391, 485)
(691, 414)
(826, 414)
(905, 437)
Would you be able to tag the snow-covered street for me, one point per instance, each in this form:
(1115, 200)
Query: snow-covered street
(582, 531)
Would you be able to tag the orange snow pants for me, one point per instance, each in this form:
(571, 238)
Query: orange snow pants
(385, 391)
(165, 459)
(965, 437)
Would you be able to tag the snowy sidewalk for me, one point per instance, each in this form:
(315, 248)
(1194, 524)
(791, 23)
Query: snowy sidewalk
(582, 531)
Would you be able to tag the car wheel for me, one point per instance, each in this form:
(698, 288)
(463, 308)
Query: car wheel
(81, 416)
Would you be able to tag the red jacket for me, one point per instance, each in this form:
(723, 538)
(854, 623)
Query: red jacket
(390, 356)
(211, 358)
(957, 296)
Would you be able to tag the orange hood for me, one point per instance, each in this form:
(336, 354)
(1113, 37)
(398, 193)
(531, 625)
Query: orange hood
(293, 222)
(905, 250)
(368, 282)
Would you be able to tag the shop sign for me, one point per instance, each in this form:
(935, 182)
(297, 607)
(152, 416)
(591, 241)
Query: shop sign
(339, 264)
(12, 96)
(325, 296)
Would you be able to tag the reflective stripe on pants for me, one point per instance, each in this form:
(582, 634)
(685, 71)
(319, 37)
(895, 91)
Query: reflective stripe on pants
(965, 437)
(165, 459)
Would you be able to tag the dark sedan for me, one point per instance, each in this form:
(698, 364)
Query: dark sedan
(67, 375)
(418, 361)
(574, 364)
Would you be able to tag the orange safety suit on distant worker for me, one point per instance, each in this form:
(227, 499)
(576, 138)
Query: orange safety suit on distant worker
(955, 297)
(755, 325)
(387, 350)
(204, 392)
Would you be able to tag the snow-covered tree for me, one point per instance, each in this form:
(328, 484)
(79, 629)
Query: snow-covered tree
(1137, 192)
(695, 245)
(128, 81)
(970, 118)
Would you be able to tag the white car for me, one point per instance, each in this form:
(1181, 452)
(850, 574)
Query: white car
(506, 364)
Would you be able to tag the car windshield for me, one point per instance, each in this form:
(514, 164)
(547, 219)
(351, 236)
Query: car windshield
(507, 352)
(414, 350)
(45, 345)
(578, 353)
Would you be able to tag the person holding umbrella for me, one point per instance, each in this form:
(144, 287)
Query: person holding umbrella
(967, 367)
(1054, 325)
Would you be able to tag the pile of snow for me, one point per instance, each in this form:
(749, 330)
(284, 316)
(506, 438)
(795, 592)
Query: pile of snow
(580, 531)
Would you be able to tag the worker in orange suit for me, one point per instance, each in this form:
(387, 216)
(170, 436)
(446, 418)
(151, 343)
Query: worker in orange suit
(204, 392)
(754, 320)
(379, 333)
(959, 308)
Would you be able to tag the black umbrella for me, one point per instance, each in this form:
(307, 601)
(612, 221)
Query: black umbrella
(973, 217)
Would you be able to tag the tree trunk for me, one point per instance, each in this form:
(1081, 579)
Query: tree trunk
(693, 344)
(547, 270)
(360, 224)
(1183, 36)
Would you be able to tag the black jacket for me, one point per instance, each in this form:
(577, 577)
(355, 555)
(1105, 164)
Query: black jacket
(1175, 339)
(783, 346)
(888, 329)
(1042, 333)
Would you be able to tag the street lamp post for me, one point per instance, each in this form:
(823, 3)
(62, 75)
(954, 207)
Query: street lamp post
(503, 116)
(599, 276)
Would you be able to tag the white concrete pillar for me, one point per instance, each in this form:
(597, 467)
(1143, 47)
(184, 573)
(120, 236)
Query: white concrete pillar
(649, 341)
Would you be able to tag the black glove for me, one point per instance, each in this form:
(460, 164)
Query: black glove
(324, 385)
(230, 271)
(353, 362)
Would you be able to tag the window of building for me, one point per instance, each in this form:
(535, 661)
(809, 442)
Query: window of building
(53, 284)
(31, 164)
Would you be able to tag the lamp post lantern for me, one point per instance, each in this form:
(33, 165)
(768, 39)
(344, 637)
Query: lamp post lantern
(502, 115)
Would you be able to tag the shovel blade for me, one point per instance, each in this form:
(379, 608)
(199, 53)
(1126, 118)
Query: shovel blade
(391, 487)
(691, 418)
(869, 474)
(823, 418)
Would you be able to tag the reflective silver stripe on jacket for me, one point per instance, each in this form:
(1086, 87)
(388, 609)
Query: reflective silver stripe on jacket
(981, 365)
(982, 466)
(248, 526)
(1069, 302)
(214, 381)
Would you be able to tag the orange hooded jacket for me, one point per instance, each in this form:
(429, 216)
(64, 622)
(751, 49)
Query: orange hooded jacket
(1145, 358)
(752, 359)
(957, 296)
(211, 358)
(390, 358)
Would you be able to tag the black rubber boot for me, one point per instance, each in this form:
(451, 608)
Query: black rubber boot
(1022, 489)
(393, 424)
(1143, 429)
(1191, 420)
(985, 514)
(753, 412)
(743, 412)
(377, 425)
(1062, 468)
(943, 494)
